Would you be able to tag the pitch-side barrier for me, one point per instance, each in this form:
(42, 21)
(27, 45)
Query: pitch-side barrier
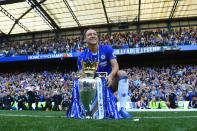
(131, 106)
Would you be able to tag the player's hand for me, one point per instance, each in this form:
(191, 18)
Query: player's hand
(109, 80)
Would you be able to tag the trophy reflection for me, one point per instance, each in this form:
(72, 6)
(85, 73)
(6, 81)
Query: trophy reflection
(87, 88)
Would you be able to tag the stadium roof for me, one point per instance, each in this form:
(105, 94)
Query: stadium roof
(21, 16)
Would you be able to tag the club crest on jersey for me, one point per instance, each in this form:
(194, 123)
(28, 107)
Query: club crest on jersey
(103, 57)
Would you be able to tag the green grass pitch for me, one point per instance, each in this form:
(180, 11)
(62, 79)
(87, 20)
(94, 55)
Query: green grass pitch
(56, 121)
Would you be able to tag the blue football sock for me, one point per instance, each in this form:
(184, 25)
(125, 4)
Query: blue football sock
(123, 91)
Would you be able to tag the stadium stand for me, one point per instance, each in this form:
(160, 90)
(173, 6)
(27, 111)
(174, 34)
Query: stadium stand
(37, 28)
(155, 42)
(166, 87)
(176, 37)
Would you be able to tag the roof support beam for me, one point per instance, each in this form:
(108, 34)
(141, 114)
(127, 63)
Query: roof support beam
(173, 10)
(105, 12)
(139, 9)
(172, 14)
(1, 32)
(16, 21)
(46, 15)
(138, 18)
(5, 2)
(72, 13)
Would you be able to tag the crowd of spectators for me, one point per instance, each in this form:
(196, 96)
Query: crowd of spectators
(62, 45)
(149, 87)
(48, 90)
(172, 84)
(161, 37)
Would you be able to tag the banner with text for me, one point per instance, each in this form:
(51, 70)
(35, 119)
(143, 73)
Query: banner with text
(131, 51)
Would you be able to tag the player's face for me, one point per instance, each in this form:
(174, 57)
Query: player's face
(91, 37)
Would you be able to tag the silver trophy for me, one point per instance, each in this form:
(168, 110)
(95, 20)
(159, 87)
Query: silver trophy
(87, 88)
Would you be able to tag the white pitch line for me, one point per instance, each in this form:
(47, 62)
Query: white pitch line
(28, 115)
(166, 117)
(145, 117)
(161, 110)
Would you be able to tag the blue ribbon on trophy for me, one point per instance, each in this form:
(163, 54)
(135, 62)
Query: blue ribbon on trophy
(100, 98)
(110, 103)
(74, 111)
(91, 97)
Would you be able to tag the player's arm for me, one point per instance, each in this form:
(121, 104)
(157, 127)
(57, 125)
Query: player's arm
(115, 67)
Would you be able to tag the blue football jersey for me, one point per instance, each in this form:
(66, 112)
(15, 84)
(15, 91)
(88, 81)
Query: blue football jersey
(103, 56)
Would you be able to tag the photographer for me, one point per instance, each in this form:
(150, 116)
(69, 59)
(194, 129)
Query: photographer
(16, 96)
(193, 103)
(136, 96)
(31, 99)
(7, 100)
(172, 97)
(36, 98)
(21, 101)
(1, 102)
(57, 100)
(66, 103)
(48, 106)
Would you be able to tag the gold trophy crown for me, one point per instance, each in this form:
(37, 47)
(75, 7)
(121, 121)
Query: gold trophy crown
(88, 66)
